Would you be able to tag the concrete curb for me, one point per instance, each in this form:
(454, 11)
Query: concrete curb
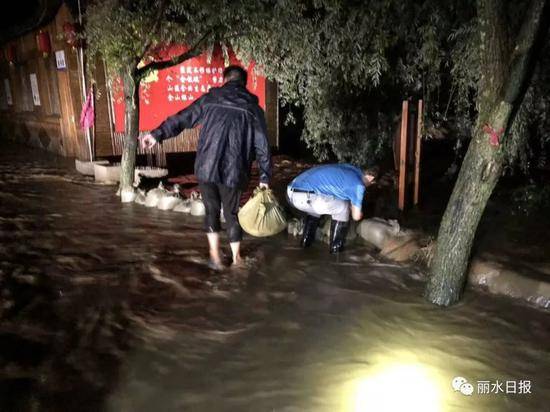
(502, 280)
(485, 269)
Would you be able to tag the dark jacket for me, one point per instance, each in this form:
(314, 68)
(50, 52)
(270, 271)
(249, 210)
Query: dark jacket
(232, 135)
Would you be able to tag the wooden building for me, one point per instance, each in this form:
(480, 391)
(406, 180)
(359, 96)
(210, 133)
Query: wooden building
(39, 103)
(41, 96)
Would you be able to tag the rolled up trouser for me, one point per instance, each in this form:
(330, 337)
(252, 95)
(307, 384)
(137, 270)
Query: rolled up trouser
(317, 204)
(216, 196)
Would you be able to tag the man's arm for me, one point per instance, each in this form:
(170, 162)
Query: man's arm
(357, 202)
(174, 125)
(261, 146)
(356, 213)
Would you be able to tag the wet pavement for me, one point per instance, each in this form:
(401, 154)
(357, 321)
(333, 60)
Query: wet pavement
(111, 307)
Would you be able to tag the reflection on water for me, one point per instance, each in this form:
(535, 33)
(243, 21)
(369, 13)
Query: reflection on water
(111, 307)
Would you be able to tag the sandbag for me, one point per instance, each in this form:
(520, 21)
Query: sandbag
(262, 215)
(295, 227)
(128, 195)
(169, 202)
(140, 197)
(154, 195)
(378, 231)
(184, 206)
(171, 199)
(197, 205)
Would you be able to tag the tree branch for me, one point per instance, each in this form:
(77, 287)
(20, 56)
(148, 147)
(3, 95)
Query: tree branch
(189, 54)
(155, 28)
(495, 48)
(528, 43)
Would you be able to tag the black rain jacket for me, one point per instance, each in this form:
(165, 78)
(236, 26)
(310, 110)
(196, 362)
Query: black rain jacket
(232, 134)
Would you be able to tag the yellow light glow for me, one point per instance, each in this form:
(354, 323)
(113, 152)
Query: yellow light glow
(398, 388)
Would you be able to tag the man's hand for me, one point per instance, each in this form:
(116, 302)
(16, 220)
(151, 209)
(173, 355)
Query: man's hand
(147, 141)
(263, 186)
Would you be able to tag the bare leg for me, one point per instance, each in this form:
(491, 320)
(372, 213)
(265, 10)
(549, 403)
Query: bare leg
(214, 245)
(236, 251)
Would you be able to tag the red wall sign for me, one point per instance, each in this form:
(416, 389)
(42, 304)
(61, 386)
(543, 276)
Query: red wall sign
(168, 91)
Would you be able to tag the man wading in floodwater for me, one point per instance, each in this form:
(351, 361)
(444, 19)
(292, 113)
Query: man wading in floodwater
(232, 134)
(330, 190)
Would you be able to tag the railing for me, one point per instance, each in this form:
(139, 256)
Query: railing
(184, 142)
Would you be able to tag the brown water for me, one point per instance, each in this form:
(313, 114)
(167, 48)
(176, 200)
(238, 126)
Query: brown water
(110, 307)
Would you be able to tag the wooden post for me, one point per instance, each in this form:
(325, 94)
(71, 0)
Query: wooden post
(403, 155)
(417, 152)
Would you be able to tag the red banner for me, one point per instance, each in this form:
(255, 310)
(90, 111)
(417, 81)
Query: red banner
(166, 92)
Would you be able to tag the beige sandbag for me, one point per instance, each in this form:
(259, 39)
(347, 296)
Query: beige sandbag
(378, 231)
(401, 248)
(262, 215)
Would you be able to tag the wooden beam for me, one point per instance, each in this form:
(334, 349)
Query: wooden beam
(403, 155)
(417, 151)
(272, 112)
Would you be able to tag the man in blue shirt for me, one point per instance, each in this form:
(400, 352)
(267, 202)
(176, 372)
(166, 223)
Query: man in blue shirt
(335, 190)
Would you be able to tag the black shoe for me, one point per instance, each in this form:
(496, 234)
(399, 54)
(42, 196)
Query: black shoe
(338, 231)
(310, 228)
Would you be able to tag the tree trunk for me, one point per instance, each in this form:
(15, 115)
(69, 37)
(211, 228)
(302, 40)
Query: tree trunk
(131, 119)
(506, 72)
(478, 176)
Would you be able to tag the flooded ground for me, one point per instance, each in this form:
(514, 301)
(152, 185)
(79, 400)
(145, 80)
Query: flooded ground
(110, 307)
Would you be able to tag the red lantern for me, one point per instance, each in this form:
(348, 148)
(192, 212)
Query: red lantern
(70, 32)
(44, 44)
(9, 53)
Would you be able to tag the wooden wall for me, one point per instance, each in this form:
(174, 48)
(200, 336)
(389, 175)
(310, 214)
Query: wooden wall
(272, 113)
(54, 124)
(187, 140)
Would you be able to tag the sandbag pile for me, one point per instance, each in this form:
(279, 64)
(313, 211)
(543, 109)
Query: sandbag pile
(164, 199)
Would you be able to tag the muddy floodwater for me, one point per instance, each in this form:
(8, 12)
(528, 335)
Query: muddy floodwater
(111, 307)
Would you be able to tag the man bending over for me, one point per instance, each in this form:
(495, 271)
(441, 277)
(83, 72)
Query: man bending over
(335, 190)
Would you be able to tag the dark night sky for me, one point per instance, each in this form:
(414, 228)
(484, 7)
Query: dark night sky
(21, 14)
(17, 12)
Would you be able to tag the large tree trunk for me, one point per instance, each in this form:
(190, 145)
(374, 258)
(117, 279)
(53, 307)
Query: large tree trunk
(506, 72)
(131, 119)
